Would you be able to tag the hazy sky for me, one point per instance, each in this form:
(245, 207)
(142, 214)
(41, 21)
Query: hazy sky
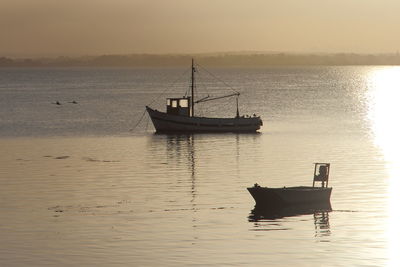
(92, 27)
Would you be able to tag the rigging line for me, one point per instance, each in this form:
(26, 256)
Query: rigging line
(168, 87)
(227, 85)
(188, 81)
(201, 83)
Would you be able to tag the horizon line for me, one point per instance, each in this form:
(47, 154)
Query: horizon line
(222, 53)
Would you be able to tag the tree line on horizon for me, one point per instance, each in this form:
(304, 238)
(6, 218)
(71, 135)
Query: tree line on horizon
(221, 60)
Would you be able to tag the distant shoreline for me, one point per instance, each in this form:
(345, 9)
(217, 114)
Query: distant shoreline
(216, 60)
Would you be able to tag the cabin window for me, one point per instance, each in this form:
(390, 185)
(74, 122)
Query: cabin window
(174, 103)
(168, 102)
(184, 103)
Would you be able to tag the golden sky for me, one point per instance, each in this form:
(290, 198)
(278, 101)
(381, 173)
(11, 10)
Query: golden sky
(92, 27)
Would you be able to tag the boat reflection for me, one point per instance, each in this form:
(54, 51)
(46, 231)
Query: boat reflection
(272, 213)
(269, 216)
(321, 223)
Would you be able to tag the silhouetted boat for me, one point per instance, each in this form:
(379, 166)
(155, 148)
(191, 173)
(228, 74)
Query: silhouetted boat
(266, 197)
(179, 116)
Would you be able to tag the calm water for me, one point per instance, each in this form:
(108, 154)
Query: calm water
(79, 187)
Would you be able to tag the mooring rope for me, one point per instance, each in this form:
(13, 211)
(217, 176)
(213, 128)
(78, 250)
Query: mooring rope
(141, 118)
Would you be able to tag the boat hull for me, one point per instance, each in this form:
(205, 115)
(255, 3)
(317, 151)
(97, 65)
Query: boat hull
(278, 197)
(164, 123)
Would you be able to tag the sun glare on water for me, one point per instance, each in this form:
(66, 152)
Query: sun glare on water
(384, 109)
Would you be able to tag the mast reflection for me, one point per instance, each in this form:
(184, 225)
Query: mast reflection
(182, 148)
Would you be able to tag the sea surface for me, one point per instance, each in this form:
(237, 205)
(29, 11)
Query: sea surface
(90, 184)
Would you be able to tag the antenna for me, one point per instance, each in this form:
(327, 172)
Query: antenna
(192, 87)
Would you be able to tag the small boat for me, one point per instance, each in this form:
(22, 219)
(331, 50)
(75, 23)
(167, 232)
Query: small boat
(180, 116)
(266, 197)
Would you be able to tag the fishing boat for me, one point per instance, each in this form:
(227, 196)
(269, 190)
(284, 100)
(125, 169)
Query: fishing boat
(266, 197)
(180, 115)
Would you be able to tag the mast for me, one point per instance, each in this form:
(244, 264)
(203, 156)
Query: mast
(237, 106)
(192, 88)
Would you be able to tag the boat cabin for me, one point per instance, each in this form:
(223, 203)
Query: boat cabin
(178, 106)
(321, 173)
